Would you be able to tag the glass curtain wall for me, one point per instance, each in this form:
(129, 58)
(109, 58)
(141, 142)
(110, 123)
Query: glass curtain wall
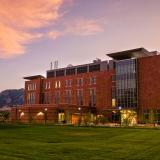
(126, 83)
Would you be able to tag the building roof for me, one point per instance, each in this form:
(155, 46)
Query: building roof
(128, 54)
(34, 77)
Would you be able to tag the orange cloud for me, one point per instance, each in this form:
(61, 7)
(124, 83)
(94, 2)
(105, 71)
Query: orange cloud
(20, 18)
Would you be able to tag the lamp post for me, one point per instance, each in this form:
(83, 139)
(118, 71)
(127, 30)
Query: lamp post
(45, 115)
(79, 121)
(19, 112)
(120, 114)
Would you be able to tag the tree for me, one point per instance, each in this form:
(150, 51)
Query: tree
(4, 116)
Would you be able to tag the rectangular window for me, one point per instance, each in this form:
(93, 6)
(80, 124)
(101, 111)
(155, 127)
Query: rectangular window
(57, 97)
(92, 80)
(68, 83)
(50, 74)
(57, 84)
(80, 82)
(60, 73)
(80, 97)
(93, 68)
(126, 84)
(82, 69)
(68, 96)
(31, 86)
(49, 85)
(47, 98)
(71, 71)
(31, 97)
(92, 97)
(46, 85)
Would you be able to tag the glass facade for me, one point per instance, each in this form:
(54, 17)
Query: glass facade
(125, 91)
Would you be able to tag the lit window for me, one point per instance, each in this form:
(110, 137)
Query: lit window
(61, 117)
(28, 87)
(57, 84)
(49, 85)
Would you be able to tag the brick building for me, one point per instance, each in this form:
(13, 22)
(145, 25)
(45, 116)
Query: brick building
(126, 86)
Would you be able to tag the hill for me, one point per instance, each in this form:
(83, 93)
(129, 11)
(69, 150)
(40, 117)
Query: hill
(11, 97)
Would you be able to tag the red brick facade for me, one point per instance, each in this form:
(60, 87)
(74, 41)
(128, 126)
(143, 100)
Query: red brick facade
(149, 82)
(103, 86)
(69, 98)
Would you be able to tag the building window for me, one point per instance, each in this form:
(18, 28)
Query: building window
(92, 97)
(92, 80)
(82, 69)
(47, 85)
(57, 84)
(47, 98)
(94, 68)
(80, 82)
(79, 97)
(126, 84)
(31, 98)
(31, 86)
(61, 117)
(57, 97)
(68, 83)
(68, 96)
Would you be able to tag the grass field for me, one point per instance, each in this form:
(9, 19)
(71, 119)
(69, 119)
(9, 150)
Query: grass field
(78, 143)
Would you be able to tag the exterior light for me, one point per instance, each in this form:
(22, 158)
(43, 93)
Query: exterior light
(119, 107)
(80, 114)
(22, 114)
(40, 114)
(45, 116)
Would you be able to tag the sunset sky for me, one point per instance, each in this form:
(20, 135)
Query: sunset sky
(34, 33)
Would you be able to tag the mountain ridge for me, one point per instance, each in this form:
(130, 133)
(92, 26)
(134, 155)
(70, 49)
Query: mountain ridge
(11, 97)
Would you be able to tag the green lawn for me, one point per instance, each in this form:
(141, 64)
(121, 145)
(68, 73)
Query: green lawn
(78, 143)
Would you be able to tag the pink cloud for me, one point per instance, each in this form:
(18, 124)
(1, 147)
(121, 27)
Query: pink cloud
(83, 27)
(22, 21)
(79, 27)
(54, 34)
(20, 18)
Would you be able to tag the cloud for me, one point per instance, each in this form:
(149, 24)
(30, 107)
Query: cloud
(54, 34)
(19, 20)
(79, 27)
(24, 21)
(83, 27)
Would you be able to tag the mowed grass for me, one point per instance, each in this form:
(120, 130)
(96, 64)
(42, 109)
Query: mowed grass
(78, 143)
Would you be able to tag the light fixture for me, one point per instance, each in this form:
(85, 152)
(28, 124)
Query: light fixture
(40, 114)
(22, 114)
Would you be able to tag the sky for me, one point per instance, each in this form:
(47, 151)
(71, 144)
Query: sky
(34, 33)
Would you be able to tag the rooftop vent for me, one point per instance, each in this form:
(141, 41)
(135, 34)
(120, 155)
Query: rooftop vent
(69, 65)
(96, 60)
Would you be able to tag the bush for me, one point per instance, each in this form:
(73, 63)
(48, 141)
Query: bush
(4, 116)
